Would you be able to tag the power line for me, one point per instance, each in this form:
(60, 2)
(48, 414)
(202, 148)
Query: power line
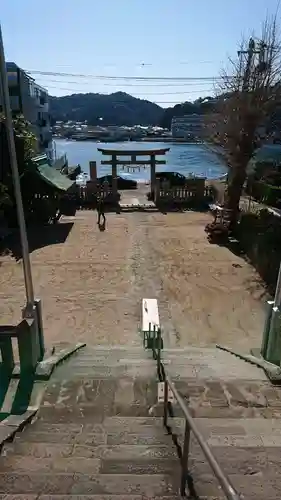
(142, 94)
(74, 82)
(136, 78)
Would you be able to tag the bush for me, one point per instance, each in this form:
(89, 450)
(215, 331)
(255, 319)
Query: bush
(5, 200)
(265, 193)
(260, 237)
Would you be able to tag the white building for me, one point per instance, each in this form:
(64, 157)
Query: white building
(187, 126)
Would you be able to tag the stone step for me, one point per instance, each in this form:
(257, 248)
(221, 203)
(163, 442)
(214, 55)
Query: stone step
(244, 459)
(115, 354)
(141, 486)
(100, 392)
(56, 451)
(83, 484)
(96, 439)
(89, 497)
(141, 466)
(136, 424)
(95, 413)
(112, 348)
(76, 465)
(118, 371)
(89, 465)
(113, 362)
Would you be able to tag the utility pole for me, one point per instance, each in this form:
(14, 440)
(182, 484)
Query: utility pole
(250, 53)
(33, 307)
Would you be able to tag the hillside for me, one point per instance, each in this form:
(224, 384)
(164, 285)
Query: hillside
(114, 109)
(200, 106)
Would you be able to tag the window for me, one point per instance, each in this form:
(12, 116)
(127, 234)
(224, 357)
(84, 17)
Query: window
(14, 91)
(12, 78)
(31, 89)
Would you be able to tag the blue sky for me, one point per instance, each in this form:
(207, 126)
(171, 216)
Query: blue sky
(165, 38)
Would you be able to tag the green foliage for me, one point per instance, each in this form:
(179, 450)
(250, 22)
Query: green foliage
(265, 193)
(5, 200)
(118, 108)
(24, 135)
(25, 142)
(260, 236)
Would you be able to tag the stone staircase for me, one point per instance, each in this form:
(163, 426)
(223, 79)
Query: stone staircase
(99, 432)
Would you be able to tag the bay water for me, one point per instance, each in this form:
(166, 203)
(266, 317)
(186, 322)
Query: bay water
(184, 158)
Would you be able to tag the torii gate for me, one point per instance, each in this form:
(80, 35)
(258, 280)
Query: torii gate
(133, 162)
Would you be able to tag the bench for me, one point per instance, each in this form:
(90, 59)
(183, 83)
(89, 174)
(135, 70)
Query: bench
(150, 315)
(24, 332)
(150, 323)
(220, 228)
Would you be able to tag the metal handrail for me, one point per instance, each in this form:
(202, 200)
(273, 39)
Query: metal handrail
(155, 342)
(227, 488)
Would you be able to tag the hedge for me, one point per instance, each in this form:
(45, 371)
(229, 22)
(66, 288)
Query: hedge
(259, 235)
(265, 193)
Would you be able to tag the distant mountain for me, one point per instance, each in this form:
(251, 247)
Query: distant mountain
(114, 109)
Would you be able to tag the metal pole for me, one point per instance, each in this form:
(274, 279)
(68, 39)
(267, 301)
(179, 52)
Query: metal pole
(184, 460)
(277, 298)
(273, 350)
(29, 312)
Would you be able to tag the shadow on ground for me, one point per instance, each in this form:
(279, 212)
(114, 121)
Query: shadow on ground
(236, 248)
(38, 237)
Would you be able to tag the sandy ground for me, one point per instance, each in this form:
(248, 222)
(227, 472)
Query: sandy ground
(91, 283)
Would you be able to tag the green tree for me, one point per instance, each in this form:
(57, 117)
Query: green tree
(25, 142)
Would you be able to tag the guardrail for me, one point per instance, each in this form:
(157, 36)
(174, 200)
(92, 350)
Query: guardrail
(156, 344)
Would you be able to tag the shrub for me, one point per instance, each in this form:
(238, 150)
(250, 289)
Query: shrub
(265, 193)
(260, 237)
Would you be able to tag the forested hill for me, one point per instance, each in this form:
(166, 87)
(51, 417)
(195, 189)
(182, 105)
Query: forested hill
(114, 109)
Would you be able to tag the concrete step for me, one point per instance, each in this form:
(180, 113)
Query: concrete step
(51, 485)
(40, 457)
(83, 484)
(112, 362)
(112, 350)
(57, 451)
(96, 437)
(88, 465)
(107, 393)
(139, 423)
(91, 497)
(132, 370)
(209, 363)
(141, 466)
(94, 413)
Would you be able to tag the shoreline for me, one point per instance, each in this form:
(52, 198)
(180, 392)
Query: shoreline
(172, 140)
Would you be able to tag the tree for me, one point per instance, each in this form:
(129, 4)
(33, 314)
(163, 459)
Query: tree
(248, 94)
(25, 142)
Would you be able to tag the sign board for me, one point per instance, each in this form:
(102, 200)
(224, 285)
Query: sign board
(161, 393)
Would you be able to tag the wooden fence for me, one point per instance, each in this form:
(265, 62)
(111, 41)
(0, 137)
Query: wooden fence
(194, 191)
(86, 196)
